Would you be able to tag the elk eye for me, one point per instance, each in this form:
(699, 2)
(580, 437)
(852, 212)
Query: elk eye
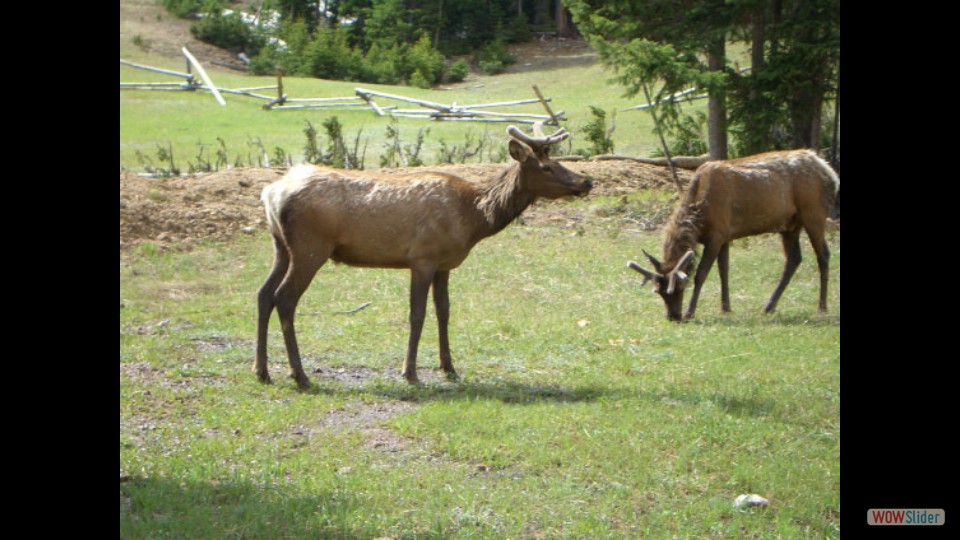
(544, 167)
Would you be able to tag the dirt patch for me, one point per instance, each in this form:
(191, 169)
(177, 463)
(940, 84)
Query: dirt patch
(551, 53)
(368, 420)
(143, 374)
(159, 32)
(177, 213)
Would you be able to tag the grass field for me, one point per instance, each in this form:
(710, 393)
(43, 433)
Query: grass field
(581, 413)
(187, 120)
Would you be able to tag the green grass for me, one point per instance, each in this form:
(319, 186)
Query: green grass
(581, 411)
(185, 120)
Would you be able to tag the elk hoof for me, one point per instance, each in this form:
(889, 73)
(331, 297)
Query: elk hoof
(264, 377)
(412, 377)
(452, 375)
(303, 383)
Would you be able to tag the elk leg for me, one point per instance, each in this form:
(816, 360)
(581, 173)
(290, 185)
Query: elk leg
(265, 305)
(710, 252)
(823, 264)
(791, 250)
(419, 287)
(298, 278)
(723, 267)
(441, 302)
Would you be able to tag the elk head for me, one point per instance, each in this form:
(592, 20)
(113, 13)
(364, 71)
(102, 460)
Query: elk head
(540, 175)
(670, 284)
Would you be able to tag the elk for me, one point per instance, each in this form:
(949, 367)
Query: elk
(783, 192)
(426, 222)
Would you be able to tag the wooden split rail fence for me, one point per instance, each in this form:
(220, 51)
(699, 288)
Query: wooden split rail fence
(459, 113)
(364, 99)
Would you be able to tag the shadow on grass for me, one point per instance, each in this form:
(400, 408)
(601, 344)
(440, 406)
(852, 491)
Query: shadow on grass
(744, 319)
(373, 383)
(434, 387)
(501, 390)
(734, 405)
(168, 508)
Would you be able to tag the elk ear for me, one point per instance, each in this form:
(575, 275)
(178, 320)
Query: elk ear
(519, 151)
(653, 260)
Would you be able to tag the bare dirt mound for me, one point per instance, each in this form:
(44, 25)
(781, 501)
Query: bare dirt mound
(159, 32)
(176, 213)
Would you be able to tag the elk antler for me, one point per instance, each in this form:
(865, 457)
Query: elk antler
(677, 273)
(647, 275)
(539, 139)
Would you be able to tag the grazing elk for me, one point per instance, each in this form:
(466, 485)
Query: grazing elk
(774, 192)
(426, 222)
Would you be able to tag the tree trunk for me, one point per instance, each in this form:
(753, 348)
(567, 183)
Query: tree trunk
(717, 104)
(563, 21)
(807, 101)
(541, 12)
(759, 140)
(436, 36)
(805, 112)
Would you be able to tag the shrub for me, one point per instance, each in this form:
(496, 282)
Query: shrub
(227, 32)
(329, 56)
(458, 71)
(290, 56)
(597, 132)
(419, 80)
(492, 67)
(426, 63)
(263, 63)
(182, 8)
(517, 30)
(688, 136)
(493, 52)
(381, 66)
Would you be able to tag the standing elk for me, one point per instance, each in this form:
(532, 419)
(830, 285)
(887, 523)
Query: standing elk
(774, 192)
(426, 222)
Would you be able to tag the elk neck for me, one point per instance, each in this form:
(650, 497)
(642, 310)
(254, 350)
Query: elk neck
(682, 232)
(503, 200)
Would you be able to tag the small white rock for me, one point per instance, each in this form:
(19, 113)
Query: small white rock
(750, 500)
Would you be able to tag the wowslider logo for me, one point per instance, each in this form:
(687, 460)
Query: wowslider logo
(902, 516)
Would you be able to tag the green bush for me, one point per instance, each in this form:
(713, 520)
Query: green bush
(426, 64)
(492, 67)
(597, 132)
(291, 58)
(688, 136)
(493, 58)
(458, 71)
(419, 80)
(493, 52)
(329, 56)
(182, 8)
(227, 32)
(381, 65)
(263, 63)
(517, 30)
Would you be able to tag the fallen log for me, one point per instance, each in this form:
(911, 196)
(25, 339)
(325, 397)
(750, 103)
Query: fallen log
(683, 162)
